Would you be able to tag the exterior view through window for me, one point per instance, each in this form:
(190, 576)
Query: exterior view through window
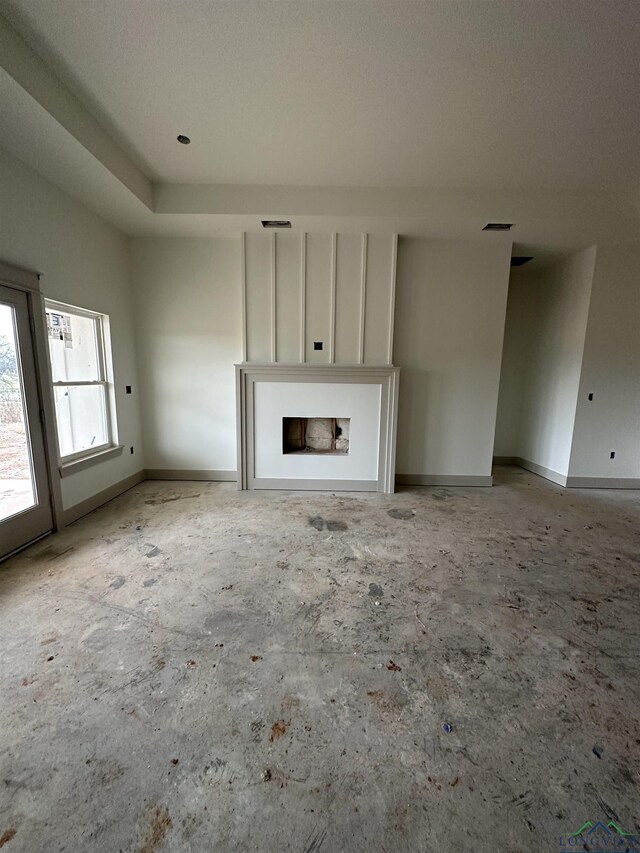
(16, 478)
(80, 380)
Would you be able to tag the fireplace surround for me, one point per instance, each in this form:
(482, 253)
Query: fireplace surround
(277, 402)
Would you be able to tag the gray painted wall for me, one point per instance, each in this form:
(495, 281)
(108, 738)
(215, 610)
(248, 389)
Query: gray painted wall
(84, 262)
(450, 308)
(611, 371)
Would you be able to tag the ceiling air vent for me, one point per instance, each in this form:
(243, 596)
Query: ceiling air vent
(498, 226)
(520, 260)
(276, 223)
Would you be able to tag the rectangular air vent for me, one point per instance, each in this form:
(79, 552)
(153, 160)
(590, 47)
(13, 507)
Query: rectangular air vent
(498, 226)
(276, 223)
(520, 260)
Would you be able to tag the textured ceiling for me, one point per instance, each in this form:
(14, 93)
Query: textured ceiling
(520, 93)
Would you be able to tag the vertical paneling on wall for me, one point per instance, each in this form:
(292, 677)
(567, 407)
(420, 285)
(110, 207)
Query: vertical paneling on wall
(379, 279)
(338, 289)
(258, 302)
(348, 291)
(318, 309)
(288, 299)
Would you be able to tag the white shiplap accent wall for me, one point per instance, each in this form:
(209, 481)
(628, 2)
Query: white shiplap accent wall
(334, 288)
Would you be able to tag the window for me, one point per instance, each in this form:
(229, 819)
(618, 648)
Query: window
(81, 386)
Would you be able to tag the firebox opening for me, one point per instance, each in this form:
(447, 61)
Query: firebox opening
(316, 435)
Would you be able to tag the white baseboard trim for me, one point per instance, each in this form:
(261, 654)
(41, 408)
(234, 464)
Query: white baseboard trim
(541, 471)
(567, 481)
(191, 474)
(603, 482)
(443, 480)
(78, 511)
(505, 460)
(95, 501)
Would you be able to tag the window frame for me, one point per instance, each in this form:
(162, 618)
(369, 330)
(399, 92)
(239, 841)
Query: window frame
(104, 370)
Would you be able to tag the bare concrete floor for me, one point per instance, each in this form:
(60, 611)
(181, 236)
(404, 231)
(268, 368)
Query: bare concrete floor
(195, 669)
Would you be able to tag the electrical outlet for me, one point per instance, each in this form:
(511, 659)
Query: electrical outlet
(317, 344)
(131, 449)
(612, 455)
(128, 389)
(591, 396)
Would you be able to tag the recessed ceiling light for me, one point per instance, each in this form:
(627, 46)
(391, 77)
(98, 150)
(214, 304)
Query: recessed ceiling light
(498, 226)
(276, 223)
(183, 139)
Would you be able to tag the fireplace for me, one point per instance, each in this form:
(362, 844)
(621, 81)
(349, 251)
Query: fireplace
(316, 427)
(316, 435)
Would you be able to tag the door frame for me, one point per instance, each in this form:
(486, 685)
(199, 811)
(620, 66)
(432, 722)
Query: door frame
(18, 278)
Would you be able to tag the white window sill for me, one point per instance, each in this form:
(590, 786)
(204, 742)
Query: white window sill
(68, 468)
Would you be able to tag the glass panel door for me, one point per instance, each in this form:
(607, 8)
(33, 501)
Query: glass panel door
(17, 484)
(25, 511)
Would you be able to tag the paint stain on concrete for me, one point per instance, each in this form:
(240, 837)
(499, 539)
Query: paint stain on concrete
(6, 836)
(289, 702)
(153, 552)
(116, 583)
(319, 523)
(255, 658)
(375, 591)
(393, 667)
(379, 697)
(159, 826)
(150, 582)
(256, 730)
(401, 514)
(278, 729)
(386, 703)
(108, 772)
(158, 501)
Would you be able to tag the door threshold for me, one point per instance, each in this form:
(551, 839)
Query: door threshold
(26, 545)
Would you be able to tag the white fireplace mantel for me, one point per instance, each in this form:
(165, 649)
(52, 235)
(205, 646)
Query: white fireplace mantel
(368, 395)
